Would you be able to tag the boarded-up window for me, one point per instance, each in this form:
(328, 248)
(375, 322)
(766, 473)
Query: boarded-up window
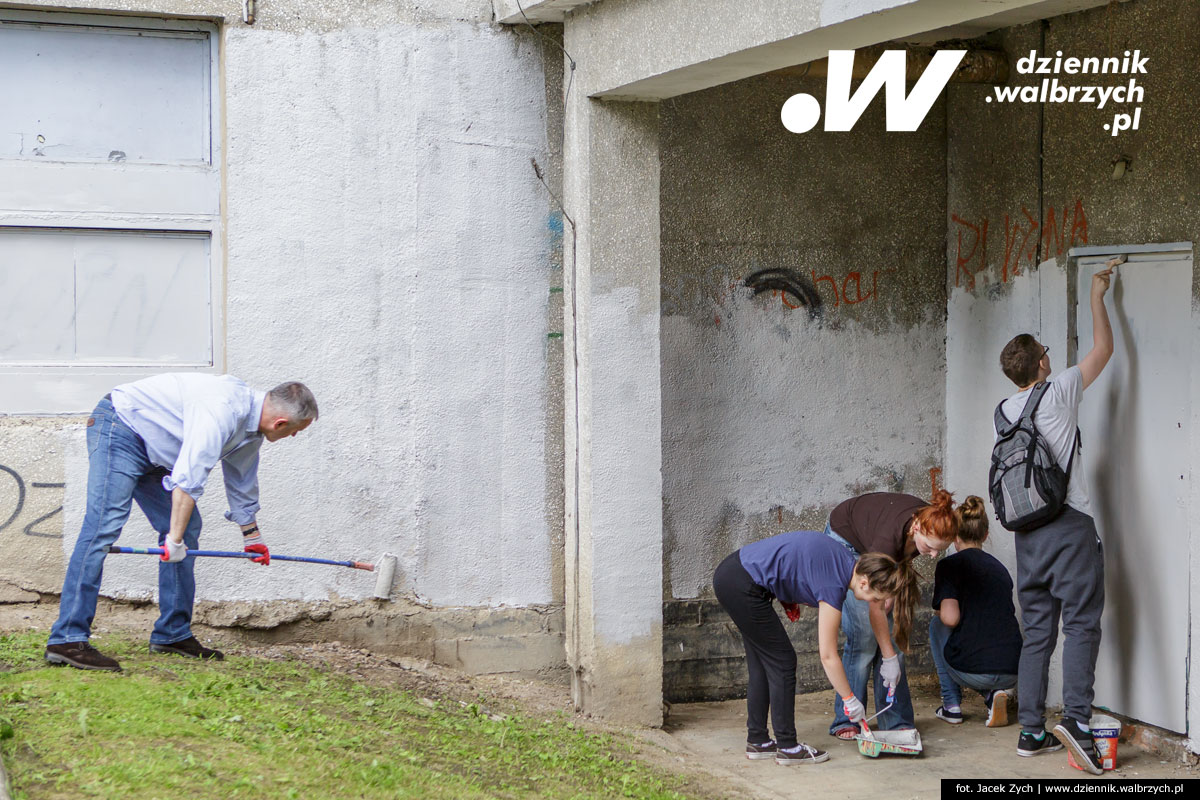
(104, 297)
(110, 235)
(91, 93)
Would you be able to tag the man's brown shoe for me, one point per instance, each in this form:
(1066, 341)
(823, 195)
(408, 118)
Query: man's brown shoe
(81, 655)
(188, 647)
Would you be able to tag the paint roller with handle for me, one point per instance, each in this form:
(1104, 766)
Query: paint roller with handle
(385, 572)
(158, 551)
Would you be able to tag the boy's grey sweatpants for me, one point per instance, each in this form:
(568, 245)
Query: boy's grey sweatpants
(1060, 570)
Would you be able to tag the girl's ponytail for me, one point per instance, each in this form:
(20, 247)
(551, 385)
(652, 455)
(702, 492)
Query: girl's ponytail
(895, 579)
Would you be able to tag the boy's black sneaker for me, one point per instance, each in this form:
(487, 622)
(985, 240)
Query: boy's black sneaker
(81, 655)
(754, 752)
(953, 717)
(1030, 745)
(997, 703)
(1080, 743)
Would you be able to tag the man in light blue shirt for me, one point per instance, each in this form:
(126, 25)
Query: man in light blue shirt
(156, 441)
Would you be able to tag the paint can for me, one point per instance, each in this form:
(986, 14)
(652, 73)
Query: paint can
(1105, 733)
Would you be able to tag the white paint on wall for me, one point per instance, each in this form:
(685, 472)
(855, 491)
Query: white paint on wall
(626, 542)
(770, 409)
(389, 246)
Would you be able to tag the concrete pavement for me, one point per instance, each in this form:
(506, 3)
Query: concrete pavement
(716, 733)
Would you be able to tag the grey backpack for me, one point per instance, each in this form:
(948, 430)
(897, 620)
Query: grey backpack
(1027, 486)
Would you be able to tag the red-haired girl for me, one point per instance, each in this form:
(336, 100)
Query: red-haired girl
(901, 526)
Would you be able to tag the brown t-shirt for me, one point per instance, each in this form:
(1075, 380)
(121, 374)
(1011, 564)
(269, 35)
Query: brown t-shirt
(876, 522)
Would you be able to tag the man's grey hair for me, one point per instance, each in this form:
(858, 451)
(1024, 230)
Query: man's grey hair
(293, 400)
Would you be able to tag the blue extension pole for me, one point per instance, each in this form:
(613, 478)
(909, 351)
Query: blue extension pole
(158, 551)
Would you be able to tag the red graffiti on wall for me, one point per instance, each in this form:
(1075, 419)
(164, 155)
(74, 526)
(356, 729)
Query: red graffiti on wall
(850, 291)
(1022, 235)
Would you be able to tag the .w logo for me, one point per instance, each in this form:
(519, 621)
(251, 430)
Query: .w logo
(802, 111)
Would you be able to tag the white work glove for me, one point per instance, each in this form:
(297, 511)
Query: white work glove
(252, 542)
(854, 708)
(889, 671)
(173, 553)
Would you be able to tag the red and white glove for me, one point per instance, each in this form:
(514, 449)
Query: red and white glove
(791, 609)
(252, 542)
(855, 710)
(173, 553)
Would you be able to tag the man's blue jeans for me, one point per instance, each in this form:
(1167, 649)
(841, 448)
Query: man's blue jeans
(861, 660)
(951, 679)
(119, 471)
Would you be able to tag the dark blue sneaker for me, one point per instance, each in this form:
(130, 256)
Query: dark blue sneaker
(953, 717)
(1030, 745)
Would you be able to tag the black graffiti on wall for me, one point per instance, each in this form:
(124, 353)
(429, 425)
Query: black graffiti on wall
(6, 520)
(786, 281)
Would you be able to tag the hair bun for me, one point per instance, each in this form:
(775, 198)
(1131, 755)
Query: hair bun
(973, 507)
(942, 499)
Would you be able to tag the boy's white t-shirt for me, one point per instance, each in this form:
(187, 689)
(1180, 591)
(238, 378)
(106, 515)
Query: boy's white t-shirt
(1057, 419)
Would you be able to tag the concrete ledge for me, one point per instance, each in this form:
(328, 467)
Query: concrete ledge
(703, 656)
(1165, 744)
(478, 641)
(510, 12)
(11, 593)
(528, 641)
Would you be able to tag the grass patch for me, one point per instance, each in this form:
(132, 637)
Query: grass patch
(251, 728)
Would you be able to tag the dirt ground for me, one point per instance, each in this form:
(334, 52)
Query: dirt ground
(701, 742)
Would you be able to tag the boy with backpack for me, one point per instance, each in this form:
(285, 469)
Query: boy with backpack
(1060, 560)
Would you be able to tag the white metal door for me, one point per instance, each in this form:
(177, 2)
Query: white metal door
(1135, 425)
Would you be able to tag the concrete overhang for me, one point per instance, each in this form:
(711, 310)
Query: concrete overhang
(517, 12)
(656, 49)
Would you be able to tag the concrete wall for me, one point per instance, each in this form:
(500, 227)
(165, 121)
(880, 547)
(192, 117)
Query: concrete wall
(389, 244)
(773, 415)
(998, 290)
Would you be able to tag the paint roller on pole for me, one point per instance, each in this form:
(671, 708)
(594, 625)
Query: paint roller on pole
(158, 551)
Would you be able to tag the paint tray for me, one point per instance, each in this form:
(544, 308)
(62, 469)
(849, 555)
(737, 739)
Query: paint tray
(905, 743)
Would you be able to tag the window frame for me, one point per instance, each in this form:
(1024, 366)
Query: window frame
(95, 197)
